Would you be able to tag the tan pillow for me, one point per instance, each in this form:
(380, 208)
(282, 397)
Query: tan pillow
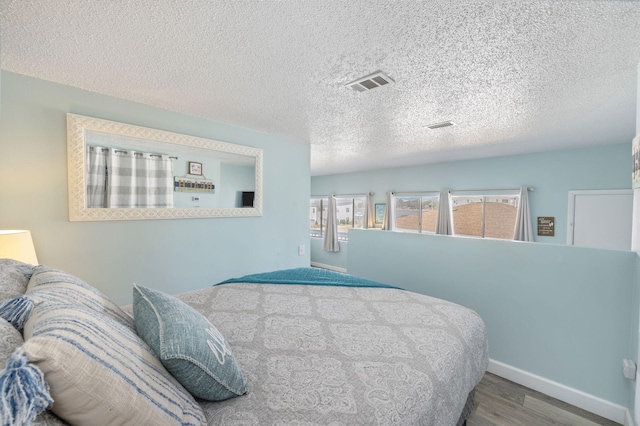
(99, 371)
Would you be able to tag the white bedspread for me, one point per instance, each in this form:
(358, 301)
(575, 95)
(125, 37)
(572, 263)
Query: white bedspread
(318, 355)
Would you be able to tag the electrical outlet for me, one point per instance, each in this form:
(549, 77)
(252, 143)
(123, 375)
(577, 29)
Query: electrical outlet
(629, 369)
(195, 198)
(301, 250)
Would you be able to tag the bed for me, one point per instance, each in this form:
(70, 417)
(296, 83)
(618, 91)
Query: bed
(323, 348)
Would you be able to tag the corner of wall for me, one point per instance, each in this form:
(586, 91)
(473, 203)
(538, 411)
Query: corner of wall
(634, 350)
(634, 393)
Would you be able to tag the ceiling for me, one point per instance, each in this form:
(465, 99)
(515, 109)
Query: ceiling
(514, 76)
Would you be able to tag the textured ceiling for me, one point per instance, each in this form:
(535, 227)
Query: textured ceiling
(515, 76)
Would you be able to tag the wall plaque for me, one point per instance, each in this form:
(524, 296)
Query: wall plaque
(546, 226)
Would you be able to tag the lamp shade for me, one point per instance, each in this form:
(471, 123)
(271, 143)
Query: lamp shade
(18, 245)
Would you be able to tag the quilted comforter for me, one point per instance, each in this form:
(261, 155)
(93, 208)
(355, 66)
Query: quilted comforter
(325, 355)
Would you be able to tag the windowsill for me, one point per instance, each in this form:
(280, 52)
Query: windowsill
(321, 238)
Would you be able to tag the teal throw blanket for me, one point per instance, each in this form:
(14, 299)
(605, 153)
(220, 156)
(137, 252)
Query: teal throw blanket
(308, 276)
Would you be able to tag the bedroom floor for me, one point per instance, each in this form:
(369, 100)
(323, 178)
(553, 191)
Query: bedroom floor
(500, 402)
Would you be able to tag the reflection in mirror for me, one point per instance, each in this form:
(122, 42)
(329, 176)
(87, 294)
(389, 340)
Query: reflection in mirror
(123, 172)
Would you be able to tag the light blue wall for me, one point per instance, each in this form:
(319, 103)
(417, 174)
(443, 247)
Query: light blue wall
(570, 318)
(235, 179)
(635, 327)
(552, 174)
(170, 255)
(338, 260)
(561, 312)
(634, 405)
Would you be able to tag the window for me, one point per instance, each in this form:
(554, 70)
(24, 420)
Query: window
(317, 217)
(417, 213)
(484, 216)
(350, 214)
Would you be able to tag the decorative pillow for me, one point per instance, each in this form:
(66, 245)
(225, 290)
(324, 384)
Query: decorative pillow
(23, 391)
(47, 418)
(188, 345)
(99, 371)
(10, 339)
(14, 277)
(55, 286)
(17, 310)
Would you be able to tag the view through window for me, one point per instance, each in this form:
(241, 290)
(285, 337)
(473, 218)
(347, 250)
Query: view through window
(417, 213)
(349, 213)
(317, 216)
(485, 216)
(476, 215)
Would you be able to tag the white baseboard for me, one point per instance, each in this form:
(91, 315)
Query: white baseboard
(329, 267)
(591, 403)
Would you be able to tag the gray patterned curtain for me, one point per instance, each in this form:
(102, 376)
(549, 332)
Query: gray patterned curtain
(96, 176)
(139, 179)
(121, 179)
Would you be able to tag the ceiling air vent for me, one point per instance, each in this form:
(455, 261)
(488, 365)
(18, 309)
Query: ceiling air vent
(369, 82)
(441, 125)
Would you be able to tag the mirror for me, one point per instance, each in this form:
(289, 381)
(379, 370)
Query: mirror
(120, 171)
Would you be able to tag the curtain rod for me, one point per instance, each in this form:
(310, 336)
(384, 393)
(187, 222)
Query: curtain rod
(126, 152)
(529, 188)
(360, 194)
(414, 192)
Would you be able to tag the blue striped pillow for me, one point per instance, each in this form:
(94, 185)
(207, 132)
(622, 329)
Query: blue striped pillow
(10, 339)
(98, 369)
(58, 287)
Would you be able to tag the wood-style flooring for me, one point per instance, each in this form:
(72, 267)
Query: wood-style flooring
(500, 402)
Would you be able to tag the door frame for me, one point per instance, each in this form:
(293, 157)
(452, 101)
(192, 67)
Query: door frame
(571, 210)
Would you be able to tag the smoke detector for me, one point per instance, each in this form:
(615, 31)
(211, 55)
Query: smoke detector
(441, 125)
(369, 82)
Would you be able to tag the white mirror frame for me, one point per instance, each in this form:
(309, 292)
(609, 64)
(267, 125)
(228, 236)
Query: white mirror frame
(78, 125)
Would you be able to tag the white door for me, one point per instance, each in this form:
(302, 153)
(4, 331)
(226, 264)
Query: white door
(600, 218)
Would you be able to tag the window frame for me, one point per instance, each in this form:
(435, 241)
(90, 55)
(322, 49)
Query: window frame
(351, 209)
(421, 196)
(323, 209)
(508, 194)
(352, 206)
